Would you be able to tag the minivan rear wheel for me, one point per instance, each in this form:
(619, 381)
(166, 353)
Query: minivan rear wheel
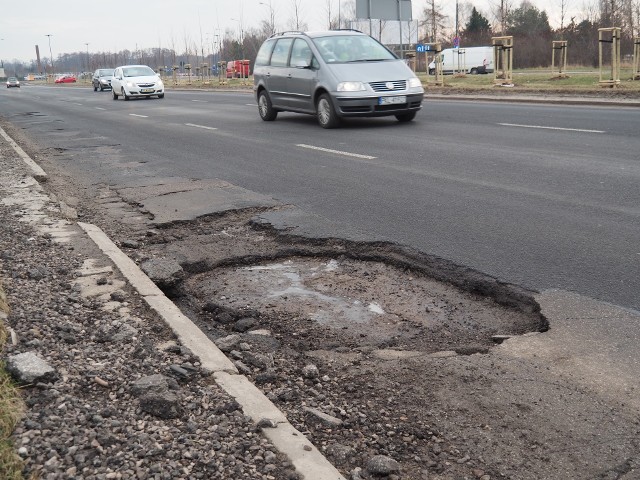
(265, 108)
(327, 116)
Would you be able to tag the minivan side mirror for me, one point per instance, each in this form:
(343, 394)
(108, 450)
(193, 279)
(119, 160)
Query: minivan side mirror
(302, 64)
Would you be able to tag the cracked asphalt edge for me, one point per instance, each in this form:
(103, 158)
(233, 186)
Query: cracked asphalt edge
(304, 456)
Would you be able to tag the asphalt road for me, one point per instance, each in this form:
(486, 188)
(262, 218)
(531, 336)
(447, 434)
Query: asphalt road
(544, 196)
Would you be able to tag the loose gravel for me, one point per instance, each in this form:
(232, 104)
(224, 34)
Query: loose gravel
(89, 423)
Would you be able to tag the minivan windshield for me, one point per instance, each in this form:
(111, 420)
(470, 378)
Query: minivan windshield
(352, 48)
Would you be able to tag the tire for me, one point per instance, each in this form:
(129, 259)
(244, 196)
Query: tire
(474, 71)
(265, 108)
(326, 113)
(124, 94)
(101, 88)
(406, 117)
(161, 95)
(115, 95)
(432, 71)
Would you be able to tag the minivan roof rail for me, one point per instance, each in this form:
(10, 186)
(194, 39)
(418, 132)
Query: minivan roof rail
(346, 30)
(287, 32)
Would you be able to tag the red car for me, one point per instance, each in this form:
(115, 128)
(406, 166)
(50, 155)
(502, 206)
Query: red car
(66, 79)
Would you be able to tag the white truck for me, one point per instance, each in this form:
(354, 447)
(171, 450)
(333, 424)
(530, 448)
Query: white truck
(471, 60)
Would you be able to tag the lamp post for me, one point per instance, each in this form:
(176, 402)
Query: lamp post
(88, 67)
(50, 54)
(272, 17)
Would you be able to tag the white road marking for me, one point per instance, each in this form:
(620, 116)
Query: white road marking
(252, 104)
(78, 104)
(338, 152)
(551, 128)
(136, 115)
(200, 126)
(99, 108)
(201, 101)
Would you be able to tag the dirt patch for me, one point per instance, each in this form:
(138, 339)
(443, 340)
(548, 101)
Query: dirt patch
(364, 303)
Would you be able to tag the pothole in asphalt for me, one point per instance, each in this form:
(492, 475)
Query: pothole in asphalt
(368, 303)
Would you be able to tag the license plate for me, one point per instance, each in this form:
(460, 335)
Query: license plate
(146, 90)
(392, 100)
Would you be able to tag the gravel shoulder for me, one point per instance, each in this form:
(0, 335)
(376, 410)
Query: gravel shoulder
(86, 420)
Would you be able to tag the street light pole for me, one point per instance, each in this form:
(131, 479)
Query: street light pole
(272, 17)
(50, 54)
(88, 66)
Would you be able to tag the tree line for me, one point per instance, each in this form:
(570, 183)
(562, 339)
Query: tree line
(532, 32)
(529, 26)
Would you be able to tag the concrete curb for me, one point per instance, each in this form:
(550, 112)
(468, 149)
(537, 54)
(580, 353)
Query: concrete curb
(523, 98)
(305, 457)
(37, 172)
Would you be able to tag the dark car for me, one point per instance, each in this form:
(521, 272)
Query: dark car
(102, 79)
(13, 82)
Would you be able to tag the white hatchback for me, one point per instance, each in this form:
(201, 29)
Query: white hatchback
(132, 81)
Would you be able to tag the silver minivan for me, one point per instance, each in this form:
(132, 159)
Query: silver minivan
(333, 74)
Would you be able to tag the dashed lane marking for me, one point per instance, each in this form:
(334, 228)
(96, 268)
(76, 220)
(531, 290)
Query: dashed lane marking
(551, 128)
(136, 115)
(200, 126)
(337, 152)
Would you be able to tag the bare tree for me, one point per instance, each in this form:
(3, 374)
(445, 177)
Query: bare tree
(327, 9)
(434, 21)
(296, 21)
(268, 27)
(564, 5)
(501, 11)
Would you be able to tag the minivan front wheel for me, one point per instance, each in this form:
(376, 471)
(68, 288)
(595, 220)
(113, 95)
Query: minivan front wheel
(265, 108)
(406, 117)
(327, 116)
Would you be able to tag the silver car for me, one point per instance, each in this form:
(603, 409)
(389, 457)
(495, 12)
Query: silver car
(333, 74)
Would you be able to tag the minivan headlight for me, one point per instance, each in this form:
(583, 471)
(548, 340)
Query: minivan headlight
(414, 82)
(351, 87)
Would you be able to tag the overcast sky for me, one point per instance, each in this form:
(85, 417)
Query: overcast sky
(74, 23)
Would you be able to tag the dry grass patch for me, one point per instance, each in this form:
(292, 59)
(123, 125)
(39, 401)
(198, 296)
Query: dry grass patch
(11, 410)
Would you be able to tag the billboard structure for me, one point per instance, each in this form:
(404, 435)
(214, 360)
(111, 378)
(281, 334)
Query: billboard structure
(394, 10)
(399, 10)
